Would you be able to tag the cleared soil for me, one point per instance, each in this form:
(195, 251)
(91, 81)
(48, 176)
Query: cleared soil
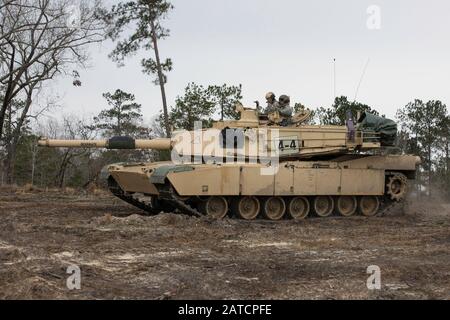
(123, 255)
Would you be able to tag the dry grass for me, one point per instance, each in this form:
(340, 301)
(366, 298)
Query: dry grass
(31, 189)
(124, 255)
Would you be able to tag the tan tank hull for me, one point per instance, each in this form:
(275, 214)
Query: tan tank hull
(349, 177)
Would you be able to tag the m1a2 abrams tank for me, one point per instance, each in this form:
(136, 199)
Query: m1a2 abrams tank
(253, 167)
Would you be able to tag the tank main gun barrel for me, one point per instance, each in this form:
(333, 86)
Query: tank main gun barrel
(115, 143)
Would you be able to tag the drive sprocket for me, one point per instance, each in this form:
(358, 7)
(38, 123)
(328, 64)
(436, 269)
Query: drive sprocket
(397, 186)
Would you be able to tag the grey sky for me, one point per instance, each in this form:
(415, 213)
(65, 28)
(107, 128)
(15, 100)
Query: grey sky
(287, 47)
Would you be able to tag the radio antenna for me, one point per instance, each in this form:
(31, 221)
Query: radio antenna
(361, 79)
(334, 78)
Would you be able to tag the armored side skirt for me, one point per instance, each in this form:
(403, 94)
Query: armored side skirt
(355, 176)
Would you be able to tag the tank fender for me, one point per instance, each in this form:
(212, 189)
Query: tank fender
(159, 175)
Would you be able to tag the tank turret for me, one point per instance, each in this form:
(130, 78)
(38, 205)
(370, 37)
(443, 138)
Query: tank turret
(253, 132)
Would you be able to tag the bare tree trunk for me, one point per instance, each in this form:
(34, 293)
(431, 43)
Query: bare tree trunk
(447, 163)
(34, 151)
(447, 157)
(16, 134)
(62, 170)
(2, 181)
(8, 91)
(11, 156)
(160, 79)
(8, 146)
(10, 164)
(429, 170)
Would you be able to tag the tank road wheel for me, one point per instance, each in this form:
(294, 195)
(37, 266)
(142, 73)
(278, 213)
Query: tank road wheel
(347, 205)
(273, 208)
(246, 208)
(298, 208)
(369, 205)
(397, 187)
(323, 206)
(214, 207)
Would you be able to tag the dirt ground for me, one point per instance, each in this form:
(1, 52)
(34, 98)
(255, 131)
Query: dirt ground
(126, 256)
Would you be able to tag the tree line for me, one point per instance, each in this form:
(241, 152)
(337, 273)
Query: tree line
(423, 131)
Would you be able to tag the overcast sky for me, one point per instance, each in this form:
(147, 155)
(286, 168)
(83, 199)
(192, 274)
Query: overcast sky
(286, 46)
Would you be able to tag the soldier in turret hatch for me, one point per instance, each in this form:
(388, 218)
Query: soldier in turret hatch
(285, 110)
(272, 103)
(282, 107)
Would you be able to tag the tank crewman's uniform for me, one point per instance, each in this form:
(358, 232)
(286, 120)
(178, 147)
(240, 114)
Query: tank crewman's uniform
(350, 126)
(285, 110)
(283, 107)
(272, 103)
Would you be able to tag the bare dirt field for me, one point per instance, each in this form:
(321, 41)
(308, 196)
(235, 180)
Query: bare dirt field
(126, 256)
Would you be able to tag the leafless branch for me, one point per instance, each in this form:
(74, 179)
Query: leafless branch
(37, 43)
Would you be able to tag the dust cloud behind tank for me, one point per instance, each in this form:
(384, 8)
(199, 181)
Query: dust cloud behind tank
(254, 167)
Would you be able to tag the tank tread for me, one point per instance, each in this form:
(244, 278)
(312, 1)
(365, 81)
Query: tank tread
(134, 202)
(170, 197)
(118, 192)
(167, 196)
(185, 208)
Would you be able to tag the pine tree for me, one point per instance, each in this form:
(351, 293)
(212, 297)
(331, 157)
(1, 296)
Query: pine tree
(145, 17)
(336, 115)
(425, 123)
(123, 118)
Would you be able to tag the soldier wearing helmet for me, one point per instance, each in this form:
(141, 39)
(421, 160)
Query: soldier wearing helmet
(272, 103)
(282, 108)
(285, 111)
(285, 108)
